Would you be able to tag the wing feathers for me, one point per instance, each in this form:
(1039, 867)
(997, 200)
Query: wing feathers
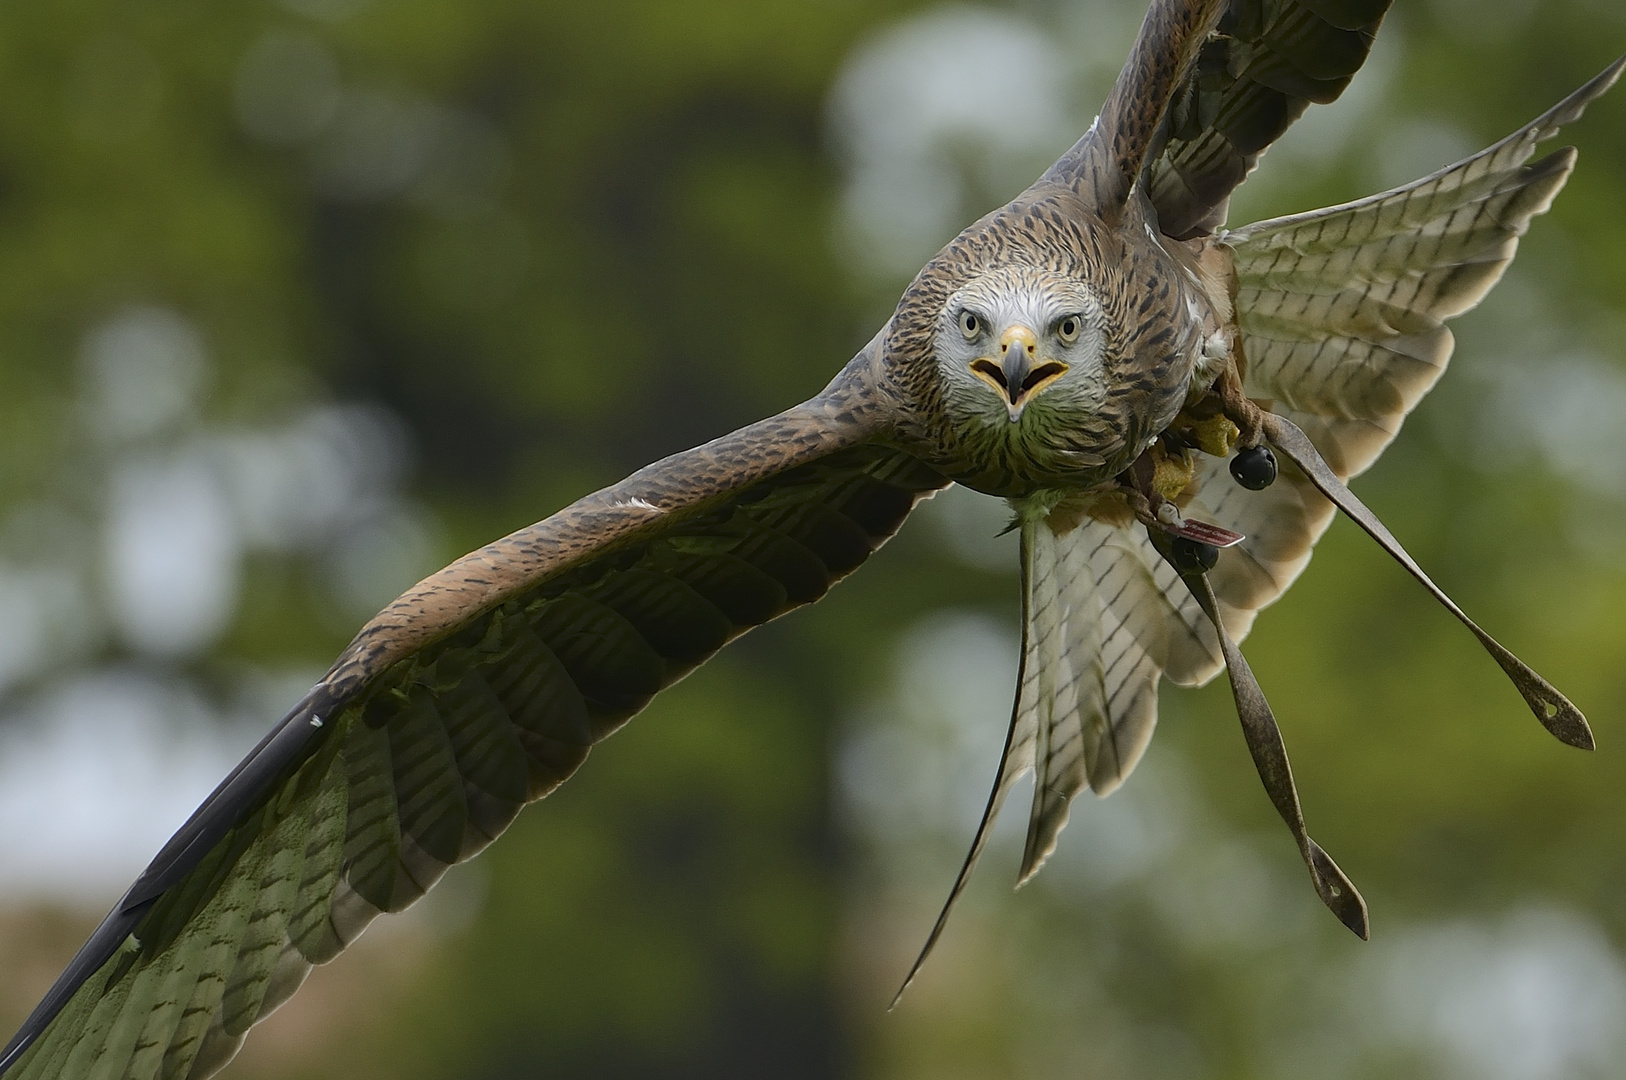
(428, 788)
(372, 835)
(326, 814)
(259, 945)
(440, 722)
(1267, 62)
(1107, 162)
(1342, 310)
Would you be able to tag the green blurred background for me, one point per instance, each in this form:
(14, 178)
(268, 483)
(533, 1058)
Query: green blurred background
(300, 300)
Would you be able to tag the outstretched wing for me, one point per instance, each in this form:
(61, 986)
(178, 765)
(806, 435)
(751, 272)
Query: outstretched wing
(1266, 62)
(479, 690)
(1207, 87)
(1343, 310)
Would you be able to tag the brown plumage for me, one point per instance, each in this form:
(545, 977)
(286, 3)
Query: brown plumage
(1094, 352)
(1147, 356)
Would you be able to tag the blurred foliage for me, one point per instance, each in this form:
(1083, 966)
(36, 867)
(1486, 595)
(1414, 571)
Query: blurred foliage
(554, 241)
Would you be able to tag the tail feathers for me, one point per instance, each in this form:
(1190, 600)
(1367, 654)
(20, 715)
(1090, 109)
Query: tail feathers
(1134, 623)
(1342, 310)
(1106, 618)
(1103, 617)
(1150, 627)
(1064, 625)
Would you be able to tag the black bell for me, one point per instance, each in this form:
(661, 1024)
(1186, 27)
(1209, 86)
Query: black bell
(1190, 555)
(1254, 468)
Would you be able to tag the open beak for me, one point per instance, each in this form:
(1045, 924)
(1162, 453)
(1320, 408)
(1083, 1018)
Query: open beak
(1018, 376)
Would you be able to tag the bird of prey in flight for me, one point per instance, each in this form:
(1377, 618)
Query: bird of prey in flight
(1171, 409)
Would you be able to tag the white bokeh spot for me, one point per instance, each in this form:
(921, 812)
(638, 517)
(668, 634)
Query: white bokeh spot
(956, 95)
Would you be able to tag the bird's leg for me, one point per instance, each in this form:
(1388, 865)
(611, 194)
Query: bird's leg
(1147, 486)
(1552, 708)
(1141, 505)
(1265, 745)
(1248, 417)
(1253, 466)
(1139, 485)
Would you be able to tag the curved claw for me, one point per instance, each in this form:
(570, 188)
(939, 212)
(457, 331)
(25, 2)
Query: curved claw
(1269, 754)
(1552, 708)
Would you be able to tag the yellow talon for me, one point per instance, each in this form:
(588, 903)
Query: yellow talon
(1173, 470)
(1208, 429)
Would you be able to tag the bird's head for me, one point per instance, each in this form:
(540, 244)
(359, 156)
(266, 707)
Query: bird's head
(1018, 339)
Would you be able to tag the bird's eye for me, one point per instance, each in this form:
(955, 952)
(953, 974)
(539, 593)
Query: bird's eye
(1069, 328)
(970, 325)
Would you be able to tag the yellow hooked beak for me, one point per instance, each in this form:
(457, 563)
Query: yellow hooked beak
(1018, 377)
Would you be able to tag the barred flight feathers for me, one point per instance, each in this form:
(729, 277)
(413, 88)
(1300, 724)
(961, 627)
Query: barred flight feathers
(1343, 310)
(1106, 164)
(1265, 64)
(1064, 628)
(1208, 86)
(479, 690)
